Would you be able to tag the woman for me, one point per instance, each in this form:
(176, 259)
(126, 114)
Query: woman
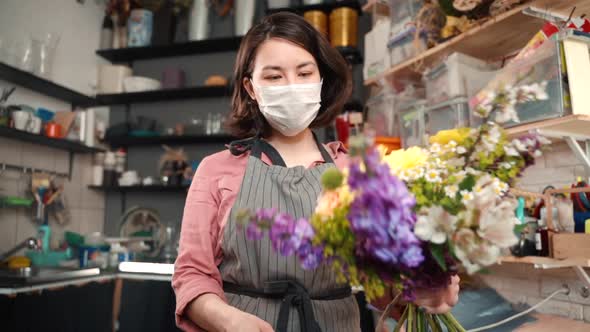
(287, 80)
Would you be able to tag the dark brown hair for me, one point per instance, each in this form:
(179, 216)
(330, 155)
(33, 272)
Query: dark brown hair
(245, 119)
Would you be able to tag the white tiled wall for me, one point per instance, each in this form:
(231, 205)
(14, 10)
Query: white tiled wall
(522, 284)
(75, 66)
(86, 206)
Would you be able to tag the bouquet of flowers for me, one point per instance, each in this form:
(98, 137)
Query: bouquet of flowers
(412, 219)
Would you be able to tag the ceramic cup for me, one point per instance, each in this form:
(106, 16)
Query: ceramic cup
(21, 119)
(35, 125)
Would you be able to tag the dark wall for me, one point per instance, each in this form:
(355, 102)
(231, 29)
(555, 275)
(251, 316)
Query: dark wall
(197, 69)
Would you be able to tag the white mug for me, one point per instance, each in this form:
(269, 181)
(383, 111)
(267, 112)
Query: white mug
(21, 119)
(35, 125)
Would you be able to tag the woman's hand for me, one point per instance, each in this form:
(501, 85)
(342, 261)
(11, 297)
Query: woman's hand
(439, 301)
(240, 321)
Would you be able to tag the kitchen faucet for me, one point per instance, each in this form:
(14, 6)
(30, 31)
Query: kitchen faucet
(30, 243)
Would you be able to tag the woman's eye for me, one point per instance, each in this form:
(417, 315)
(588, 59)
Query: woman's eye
(305, 74)
(273, 78)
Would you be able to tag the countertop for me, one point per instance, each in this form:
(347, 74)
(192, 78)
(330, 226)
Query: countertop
(550, 323)
(102, 277)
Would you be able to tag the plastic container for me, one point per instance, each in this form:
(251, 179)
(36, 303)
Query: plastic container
(448, 115)
(405, 9)
(545, 64)
(458, 76)
(403, 44)
(412, 125)
(382, 116)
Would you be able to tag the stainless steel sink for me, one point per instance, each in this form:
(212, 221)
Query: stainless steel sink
(37, 275)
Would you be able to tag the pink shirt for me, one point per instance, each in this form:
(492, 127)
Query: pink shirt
(210, 198)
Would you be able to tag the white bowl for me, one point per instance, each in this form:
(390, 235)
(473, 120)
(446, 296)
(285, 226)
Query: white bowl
(138, 83)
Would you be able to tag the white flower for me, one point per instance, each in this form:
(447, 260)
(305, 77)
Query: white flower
(467, 196)
(500, 187)
(507, 113)
(506, 165)
(538, 153)
(472, 252)
(496, 224)
(456, 162)
(435, 148)
(461, 150)
(451, 190)
(461, 176)
(434, 225)
(511, 150)
(433, 176)
(471, 171)
(519, 145)
(543, 140)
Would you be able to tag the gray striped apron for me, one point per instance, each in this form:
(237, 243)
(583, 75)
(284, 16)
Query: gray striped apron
(260, 281)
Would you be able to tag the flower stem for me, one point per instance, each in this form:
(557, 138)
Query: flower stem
(411, 319)
(419, 320)
(454, 321)
(433, 323)
(402, 320)
(448, 324)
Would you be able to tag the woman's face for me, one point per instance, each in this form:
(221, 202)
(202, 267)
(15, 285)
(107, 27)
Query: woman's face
(280, 62)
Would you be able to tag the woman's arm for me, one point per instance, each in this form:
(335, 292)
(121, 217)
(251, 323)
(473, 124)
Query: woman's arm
(196, 273)
(213, 314)
(200, 300)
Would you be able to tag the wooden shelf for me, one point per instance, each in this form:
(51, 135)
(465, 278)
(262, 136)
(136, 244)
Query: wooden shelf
(563, 7)
(169, 140)
(163, 95)
(546, 262)
(130, 54)
(493, 39)
(577, 126)
(61, 144)
(325, 7)
(139, 188)
(42, 86)
(376, 6)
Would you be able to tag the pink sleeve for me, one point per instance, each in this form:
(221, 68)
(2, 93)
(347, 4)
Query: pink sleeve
(195, 270)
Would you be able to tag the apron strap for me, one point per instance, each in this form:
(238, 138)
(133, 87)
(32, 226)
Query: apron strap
(259, 146)
(293, 294)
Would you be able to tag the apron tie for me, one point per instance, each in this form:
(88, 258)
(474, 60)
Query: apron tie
(292, 294)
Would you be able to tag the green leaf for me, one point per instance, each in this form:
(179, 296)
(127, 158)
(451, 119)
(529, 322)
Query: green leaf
(468, 183)
(437, 252)
(519, 228)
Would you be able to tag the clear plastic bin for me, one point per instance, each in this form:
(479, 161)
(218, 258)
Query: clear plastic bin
(412, 125)
(458, 76)
(404, 9)
(545, 64)
(403, 44)
(448, 115)
(382, 116)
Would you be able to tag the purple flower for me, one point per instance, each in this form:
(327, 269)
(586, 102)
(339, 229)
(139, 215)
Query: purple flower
(253, 231)
(382, 218)
(310, 256)
(266, 215)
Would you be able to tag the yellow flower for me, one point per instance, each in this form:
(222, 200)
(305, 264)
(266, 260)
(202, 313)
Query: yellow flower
(443, 137)
(402, 160)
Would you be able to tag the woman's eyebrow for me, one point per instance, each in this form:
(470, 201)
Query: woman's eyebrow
(306, 64)
(301, 65)
(272, 68)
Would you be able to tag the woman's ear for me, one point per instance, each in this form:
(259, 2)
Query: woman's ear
(249, 88)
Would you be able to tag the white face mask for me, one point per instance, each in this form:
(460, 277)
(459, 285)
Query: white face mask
(290, 108)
